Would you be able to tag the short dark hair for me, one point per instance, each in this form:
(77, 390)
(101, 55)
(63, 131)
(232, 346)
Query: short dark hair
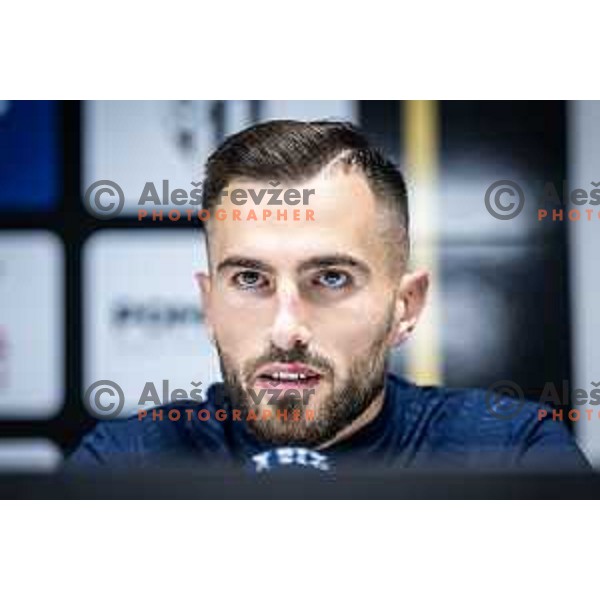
(293, 151)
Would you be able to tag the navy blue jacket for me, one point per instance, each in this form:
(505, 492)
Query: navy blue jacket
(420, 427)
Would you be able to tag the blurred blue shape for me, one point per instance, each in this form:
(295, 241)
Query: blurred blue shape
(29, 155)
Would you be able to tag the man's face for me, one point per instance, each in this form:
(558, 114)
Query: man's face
(312, 305)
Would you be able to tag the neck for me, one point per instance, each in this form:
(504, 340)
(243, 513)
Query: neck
(363, 419)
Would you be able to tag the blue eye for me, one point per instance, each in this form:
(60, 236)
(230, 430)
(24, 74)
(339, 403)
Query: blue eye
(249, 280)
(333, 279)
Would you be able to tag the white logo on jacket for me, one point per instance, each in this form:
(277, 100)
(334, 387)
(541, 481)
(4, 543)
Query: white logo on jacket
(286, 456)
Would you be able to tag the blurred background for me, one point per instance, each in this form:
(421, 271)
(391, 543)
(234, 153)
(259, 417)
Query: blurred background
(84, 298)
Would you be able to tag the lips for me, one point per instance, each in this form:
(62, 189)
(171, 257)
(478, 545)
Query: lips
(287, 376)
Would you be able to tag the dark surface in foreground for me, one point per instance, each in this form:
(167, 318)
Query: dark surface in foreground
(191, 484)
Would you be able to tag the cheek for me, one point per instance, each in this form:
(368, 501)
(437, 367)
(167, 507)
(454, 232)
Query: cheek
(349, 330)
(239, 326)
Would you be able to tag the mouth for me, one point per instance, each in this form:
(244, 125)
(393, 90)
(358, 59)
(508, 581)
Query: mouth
(287, 376)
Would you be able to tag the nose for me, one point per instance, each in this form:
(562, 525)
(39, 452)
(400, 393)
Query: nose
(289, 328)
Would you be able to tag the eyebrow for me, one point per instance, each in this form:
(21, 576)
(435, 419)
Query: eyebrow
(334, 260)
(245, 263)
(317, 262)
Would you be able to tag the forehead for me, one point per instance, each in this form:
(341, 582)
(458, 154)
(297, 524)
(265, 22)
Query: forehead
(344, 220)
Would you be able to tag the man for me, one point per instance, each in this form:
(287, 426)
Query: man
(304, 301)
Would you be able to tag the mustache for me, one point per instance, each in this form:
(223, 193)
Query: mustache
(296, 354)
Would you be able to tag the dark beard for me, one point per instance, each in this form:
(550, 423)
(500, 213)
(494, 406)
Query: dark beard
(364, 384)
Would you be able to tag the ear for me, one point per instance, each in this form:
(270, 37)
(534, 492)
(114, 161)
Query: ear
(410, 302)
(204, 285)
